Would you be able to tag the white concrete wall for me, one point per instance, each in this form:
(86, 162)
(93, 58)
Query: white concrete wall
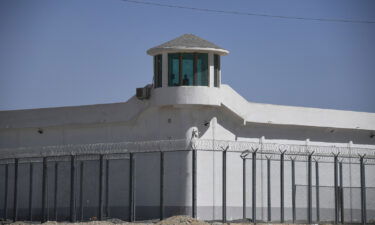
(218, 114)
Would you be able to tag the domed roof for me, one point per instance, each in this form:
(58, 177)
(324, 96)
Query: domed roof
(187, 43)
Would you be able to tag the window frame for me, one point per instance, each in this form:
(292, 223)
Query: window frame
(217, 68)
(158, 71)
(195, 81)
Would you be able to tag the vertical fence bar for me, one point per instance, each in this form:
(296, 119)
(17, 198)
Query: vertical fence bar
(107, 188)
(45, 191)
(293, 191)
(282, 187)
(15, 196)
(161, 185)
(309, 189)
(72, 189)
(224, 184)
(194, 183)
(317, 191)
(31, 191)
(336, 189)
(341, 194)
(81, 170)
(101, 174)
(363, 190)
(254, 188)
(244, 188)
(269, 189)
(6, 192)
(132, 188)
(56, 190)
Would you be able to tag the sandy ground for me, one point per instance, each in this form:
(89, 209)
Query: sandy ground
(180, 220)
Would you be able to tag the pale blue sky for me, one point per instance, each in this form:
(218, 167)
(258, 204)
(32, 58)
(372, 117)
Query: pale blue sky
(77, 52)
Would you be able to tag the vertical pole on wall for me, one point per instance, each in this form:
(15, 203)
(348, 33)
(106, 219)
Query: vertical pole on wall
(72, 189)
(282, 186)
(336, 188)
(161, 185)
(293, 191)
(268, 188)
(81, 190)
(107, 188)
(341, 194)
(31, 191)
(101, 174)
(317, 191)
(132, 188)
(15, 200)
(254, 188)
(244, 188)
(44, 191)
(309, 188)
(224, 185)
(363, 189)
(56, 189)
(194, 183)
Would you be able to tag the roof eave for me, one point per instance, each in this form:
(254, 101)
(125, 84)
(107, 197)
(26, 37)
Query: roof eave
(156, 51)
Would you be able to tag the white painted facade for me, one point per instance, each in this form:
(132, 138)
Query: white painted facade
(218, 114)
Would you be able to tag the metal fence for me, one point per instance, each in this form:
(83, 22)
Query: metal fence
(77, 186)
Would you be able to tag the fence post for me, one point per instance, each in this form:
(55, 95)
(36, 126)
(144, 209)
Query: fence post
(341, 194)
(6, 192)
(243, 156)
(194, 183)
(363, 189)
(309, 188)
(101, 174)
(254, 185)
(15, 197)
(244, 188)
(161, 185)
(335, 156)
(31, 191)
(45, 191)
(282, 186)
(224, 184)
(72, 189)
(293, 191)
(81, 190)
(269, 189)
(107, 212)
(317, 191)
(132, 188)
(56, 189)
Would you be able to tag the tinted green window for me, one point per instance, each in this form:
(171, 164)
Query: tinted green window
(202, 69)
(216, 70)
(157, 71)
(187, 69)
(173, 70)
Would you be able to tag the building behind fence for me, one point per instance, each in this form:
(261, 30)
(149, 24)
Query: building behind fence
(212, 181)
(212, 154)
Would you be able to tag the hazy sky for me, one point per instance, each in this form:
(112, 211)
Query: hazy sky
(77, 52)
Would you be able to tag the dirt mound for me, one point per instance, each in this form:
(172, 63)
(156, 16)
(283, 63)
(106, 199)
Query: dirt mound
(181, 220)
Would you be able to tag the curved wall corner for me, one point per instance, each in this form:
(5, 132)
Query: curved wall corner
(185, 95)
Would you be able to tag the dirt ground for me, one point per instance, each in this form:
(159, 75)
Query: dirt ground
(175, 220)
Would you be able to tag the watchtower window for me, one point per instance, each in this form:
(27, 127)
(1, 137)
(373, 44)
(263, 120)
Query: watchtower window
(216, 70)
(173, 69)
(157, 71)
(188, 69)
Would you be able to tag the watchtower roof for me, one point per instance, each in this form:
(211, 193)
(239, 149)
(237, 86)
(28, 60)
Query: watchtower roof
(187, 42)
